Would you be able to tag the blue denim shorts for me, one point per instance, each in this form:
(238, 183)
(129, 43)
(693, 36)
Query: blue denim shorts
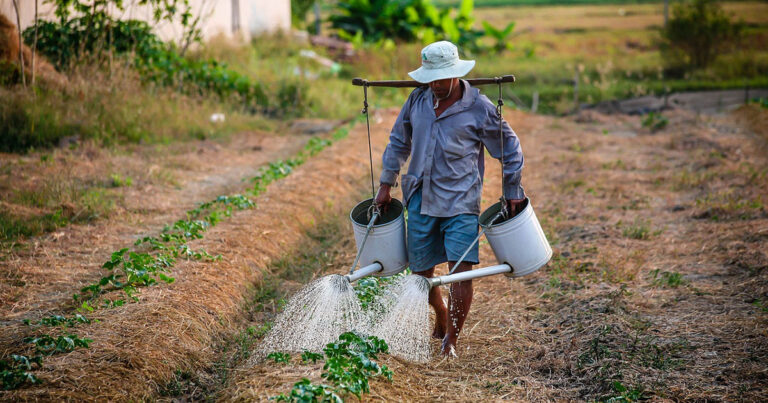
(435, 240)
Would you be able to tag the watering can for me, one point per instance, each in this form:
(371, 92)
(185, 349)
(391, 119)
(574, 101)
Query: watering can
(380, 240)
(518, 243)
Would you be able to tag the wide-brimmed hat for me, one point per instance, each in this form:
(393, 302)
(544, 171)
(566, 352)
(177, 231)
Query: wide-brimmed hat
(440, 60)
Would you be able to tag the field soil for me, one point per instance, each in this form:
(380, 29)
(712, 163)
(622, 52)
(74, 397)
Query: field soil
(658, 286)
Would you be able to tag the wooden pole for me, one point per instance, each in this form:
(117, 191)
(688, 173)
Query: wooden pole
(410, 83)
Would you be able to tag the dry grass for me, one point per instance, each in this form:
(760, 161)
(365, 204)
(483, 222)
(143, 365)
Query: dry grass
(602, 320)
(674, 315)
(138, 346)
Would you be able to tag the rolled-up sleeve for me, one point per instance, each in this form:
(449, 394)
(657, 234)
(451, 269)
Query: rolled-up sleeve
(513, 153)
(399, 147)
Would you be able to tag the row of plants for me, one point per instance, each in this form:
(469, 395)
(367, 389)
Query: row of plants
(148, 262)
(349, 364)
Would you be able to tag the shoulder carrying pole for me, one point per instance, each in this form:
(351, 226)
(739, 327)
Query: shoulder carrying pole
(361, 82)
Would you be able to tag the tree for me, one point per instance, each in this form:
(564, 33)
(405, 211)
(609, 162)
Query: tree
(698, 31)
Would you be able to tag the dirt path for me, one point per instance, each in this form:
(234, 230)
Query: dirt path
(658, 287)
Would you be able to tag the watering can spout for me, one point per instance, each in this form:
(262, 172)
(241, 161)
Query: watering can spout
(366, 271)
(469, 275)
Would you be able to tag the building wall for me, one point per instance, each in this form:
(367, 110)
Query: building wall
(218, 17)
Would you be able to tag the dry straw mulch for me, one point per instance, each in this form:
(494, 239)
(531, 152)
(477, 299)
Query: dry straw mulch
(138, 346)
(622, 207)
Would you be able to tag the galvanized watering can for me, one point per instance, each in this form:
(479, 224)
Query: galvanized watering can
(380, 240)
(519, 241)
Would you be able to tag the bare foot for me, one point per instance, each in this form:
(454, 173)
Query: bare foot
(449, 347)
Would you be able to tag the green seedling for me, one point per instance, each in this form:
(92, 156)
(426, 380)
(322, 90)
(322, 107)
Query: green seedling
(655, 121)
(349, 363)
(16, 372)
(59, 320)
(279, 357)
(306, 391)
(308, 356)
(48, 345)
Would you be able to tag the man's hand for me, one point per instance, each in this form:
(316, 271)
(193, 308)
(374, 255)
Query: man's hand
(383, 198)
(515, 206)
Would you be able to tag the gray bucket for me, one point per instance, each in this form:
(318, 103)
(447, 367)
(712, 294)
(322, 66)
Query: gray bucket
(386, 242)
(519, 241)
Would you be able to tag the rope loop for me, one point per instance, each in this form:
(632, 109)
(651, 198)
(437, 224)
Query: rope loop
(368, 126)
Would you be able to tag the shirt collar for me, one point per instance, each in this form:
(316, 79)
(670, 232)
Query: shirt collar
(467, 99)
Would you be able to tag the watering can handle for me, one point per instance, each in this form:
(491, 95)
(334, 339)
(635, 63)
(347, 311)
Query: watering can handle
(362, 245)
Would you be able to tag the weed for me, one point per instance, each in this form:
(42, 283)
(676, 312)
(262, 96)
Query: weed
(119, 181)
(666, 279)
(655, 121)
(640, 229)
(625, 394)
(761, 304)
(598, 349)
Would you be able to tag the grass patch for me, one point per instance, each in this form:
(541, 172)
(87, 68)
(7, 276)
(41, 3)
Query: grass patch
(639, 229)
(666, 279)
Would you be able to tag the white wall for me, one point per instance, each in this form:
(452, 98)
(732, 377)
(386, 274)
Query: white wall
(255, 16)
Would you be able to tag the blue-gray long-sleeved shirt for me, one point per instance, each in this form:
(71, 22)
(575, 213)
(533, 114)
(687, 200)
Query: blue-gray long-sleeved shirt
(447, 152)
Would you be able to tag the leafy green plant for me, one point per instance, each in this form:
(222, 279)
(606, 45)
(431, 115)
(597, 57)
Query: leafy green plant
(501, 36)
(307, 356)
(59, 320)
(349, 363)
(306, 391)
(48, 345)
(655, 121)
(761, 102)
(698, 31)
(625, 394)
(374, 21)
(279, 357)
(17, 371)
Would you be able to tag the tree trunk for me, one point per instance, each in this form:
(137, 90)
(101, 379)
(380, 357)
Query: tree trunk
(34, 46)
(21, 44)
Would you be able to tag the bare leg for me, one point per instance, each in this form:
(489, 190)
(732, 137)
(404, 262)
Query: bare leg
(459, 304)
(436, 300)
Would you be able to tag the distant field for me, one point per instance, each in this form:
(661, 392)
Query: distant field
(601, 17)
(505, 3)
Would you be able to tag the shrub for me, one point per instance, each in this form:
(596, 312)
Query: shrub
(697, 32)
(407, 20)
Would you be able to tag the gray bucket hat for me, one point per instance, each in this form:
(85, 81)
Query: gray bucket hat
(440, 60)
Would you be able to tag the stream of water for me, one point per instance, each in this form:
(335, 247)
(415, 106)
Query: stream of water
(328, 307)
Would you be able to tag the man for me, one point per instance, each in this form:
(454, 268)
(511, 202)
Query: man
(443, 128)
